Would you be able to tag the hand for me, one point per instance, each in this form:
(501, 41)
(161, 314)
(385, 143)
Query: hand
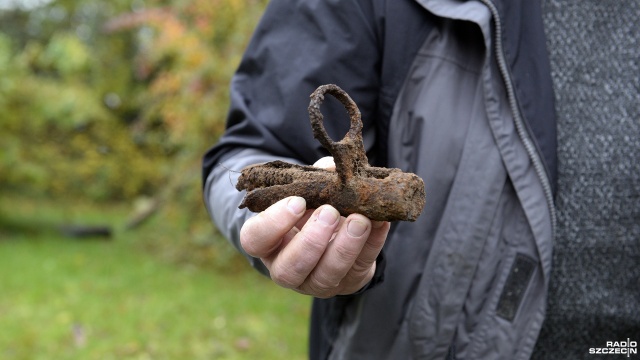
(315, 252)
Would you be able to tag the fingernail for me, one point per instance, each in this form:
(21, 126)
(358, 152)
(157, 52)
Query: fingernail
(377, 224)
(356, 228)
(297, 205)
(328, 215)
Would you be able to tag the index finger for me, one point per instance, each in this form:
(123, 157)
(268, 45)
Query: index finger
(262, 234)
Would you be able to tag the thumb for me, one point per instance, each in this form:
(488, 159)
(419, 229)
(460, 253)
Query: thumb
(326, 163)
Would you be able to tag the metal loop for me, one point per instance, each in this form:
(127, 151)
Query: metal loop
(319, 132)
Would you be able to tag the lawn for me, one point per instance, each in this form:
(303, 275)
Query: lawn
(67, 298)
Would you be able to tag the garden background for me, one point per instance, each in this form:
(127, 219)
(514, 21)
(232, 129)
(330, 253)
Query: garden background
(106, 250)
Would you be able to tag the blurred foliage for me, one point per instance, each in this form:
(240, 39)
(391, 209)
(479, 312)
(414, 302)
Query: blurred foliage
(108, 101)
(58, 135)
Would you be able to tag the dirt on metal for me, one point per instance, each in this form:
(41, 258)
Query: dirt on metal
(378, 193)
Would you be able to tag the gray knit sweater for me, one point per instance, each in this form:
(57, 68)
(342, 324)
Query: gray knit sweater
(595, 285)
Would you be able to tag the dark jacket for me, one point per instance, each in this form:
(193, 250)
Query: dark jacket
(459, 93)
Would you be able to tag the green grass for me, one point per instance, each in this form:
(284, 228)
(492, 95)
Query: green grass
(63, 298)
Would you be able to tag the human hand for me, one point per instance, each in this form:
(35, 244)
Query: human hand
(315, 252)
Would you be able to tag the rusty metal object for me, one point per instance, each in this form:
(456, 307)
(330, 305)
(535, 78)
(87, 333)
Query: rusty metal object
(381, 194)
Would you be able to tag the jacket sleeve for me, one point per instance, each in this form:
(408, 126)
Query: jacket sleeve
(297, 46)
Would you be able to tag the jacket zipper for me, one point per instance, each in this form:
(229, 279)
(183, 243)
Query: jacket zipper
(519, 122)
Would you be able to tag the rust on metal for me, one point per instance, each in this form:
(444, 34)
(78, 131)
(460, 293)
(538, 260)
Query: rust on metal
(378, 193)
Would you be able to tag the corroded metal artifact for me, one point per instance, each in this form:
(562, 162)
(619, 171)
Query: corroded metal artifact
(381, 194)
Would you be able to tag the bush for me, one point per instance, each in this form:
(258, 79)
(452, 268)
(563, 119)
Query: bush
(109, 103)
(105, 100)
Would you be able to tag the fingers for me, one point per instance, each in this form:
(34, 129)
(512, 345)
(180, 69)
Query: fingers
(349, 260)
(263, 234)
(364, 266)
(291, 266)
(330, 255)
(303, 220)
(326, 279)
(315, 252)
